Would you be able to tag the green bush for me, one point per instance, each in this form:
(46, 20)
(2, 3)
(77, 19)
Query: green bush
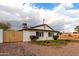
(33, 38)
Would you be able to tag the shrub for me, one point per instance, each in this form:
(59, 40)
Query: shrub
(33, 38)
(55, 37)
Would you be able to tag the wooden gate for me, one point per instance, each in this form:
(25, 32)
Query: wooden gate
(13, 36)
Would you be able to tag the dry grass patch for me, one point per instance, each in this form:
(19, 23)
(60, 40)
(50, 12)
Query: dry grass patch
(50, 42)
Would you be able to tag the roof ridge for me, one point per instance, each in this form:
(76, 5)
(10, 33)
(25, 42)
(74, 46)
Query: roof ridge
(41, 25)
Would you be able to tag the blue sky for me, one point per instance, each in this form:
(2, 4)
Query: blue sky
(50, 6)
(76, 6)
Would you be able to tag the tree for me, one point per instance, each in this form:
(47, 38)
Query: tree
(77, 29)
(4, 26)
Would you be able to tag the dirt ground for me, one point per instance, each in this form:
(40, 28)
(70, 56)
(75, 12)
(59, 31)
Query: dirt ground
(28, 49)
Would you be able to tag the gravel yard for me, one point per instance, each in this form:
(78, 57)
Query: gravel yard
(29, 49)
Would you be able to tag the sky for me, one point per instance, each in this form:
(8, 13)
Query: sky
(60, 16)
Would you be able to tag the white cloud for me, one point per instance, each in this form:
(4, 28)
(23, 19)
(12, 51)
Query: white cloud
(59, 18)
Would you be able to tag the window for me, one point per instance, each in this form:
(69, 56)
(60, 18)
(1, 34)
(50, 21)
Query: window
(50, 34)
(37, 34)
(40, 34)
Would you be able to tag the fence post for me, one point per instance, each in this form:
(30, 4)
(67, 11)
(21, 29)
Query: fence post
(1, 35)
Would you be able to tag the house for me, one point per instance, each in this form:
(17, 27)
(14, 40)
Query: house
(43, 31)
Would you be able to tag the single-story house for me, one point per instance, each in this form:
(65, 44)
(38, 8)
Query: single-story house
(43, 31)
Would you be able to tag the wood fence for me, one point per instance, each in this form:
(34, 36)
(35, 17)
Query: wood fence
(12, 36)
